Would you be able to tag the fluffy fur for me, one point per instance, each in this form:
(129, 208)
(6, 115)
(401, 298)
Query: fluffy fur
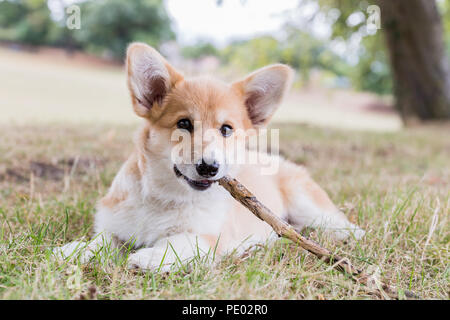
(152, 206)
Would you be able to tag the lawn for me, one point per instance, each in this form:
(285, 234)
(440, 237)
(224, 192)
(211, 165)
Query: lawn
(395, 185)
(67, 126)
(50, 86)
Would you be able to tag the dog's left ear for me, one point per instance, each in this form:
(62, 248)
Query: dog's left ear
(150, 78)
(263, 91)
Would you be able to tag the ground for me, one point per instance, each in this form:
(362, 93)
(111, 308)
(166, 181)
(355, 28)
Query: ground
(395, 186)
(66, 130)
(51, 86)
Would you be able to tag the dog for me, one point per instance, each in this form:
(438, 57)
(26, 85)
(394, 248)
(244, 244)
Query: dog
(174, 210)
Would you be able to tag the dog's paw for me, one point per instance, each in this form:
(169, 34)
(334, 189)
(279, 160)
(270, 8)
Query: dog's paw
(74, 250)
(351, 231)
(150, 259)
(358, 233)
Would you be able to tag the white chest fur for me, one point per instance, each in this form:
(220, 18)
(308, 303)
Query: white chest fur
(149, 213)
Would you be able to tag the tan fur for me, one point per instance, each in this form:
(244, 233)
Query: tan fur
(291, 176)
(203, 99)
(138, 49)
(155, 205)
(113, 199)
(240, 222)
(132, 165)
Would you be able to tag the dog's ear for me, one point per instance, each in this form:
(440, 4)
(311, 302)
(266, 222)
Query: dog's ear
(263, 90)
(150, 78)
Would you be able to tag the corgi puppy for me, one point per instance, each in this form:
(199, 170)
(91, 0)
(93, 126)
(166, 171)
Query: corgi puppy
(170, 207)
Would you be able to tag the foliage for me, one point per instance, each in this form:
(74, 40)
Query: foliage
(300, 50)
(304, 51)
(445, 13)
(11, 12)
(372, 71)
(199, 50)
(253, 53)
(110, 25)
(26, 21)
(107, 26)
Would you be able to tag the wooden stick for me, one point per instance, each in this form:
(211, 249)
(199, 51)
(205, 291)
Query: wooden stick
(283, 229)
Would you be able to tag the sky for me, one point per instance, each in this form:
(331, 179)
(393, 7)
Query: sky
(241, 19)
(199, 20)
(234, 19)
(205, 20)
(195, 20)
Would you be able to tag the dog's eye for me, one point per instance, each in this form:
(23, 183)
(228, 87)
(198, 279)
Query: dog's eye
(226, 130)
(185, 124)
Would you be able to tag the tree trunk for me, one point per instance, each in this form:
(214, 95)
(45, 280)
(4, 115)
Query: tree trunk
(420, 67)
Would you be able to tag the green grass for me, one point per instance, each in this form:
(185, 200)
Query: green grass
(394, 185)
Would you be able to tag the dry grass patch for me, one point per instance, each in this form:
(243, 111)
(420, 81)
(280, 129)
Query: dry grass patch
(396, 186)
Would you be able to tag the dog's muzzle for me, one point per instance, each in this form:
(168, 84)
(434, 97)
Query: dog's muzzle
(199, 185)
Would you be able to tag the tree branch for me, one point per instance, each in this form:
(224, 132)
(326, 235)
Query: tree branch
(283, 229)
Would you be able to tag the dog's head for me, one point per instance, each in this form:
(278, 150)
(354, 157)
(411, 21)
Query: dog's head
(196, 124)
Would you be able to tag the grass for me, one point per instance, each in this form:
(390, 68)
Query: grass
(61, 148)
(53, 87)
(395, 185)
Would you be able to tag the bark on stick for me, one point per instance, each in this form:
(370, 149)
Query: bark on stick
(283, 229)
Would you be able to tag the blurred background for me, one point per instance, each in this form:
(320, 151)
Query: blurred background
(350, 74)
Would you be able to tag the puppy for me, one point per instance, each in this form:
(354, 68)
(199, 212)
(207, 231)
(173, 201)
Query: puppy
(164, 199)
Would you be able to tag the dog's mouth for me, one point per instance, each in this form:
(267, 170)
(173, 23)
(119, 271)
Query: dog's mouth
(200, 185)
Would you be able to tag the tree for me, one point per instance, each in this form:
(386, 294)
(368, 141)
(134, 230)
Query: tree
(420, 67)
(108, 26)
(299, 49)
(25, 21)
(199, 50)
(414, 39)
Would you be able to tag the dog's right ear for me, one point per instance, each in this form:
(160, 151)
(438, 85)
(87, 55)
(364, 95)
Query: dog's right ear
(150, 78)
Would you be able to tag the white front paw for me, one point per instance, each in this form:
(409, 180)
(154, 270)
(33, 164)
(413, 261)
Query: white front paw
(150, 259)
(349, 231)
(74, 250)
(358, 233)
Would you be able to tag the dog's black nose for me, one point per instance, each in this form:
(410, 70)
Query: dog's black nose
(207, 170)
